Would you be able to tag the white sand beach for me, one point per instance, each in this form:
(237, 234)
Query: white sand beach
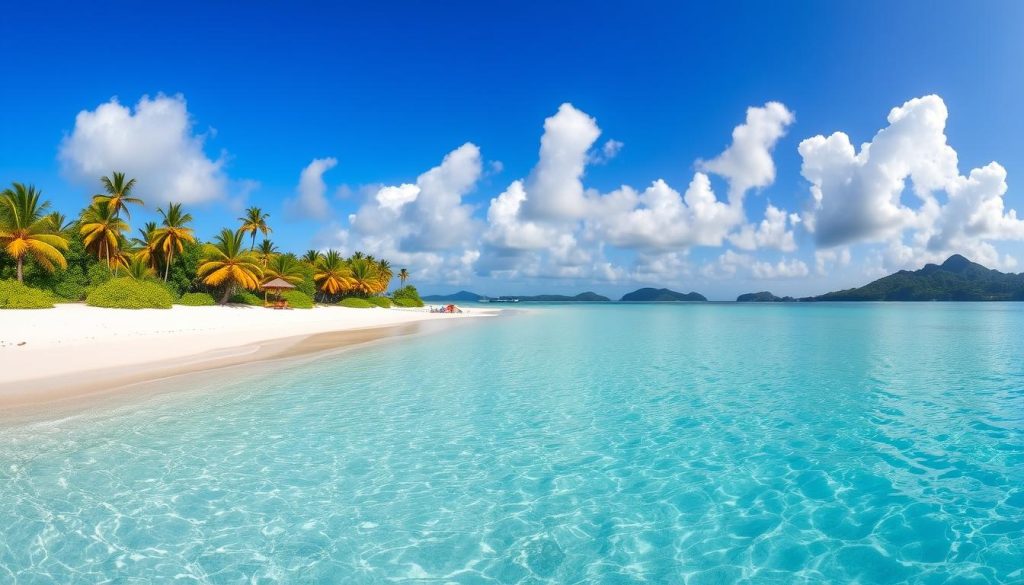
(73, 349)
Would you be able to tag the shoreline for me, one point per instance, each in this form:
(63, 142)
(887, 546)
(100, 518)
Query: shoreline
(67, 381)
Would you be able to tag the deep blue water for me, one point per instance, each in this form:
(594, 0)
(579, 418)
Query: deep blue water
(698, 443)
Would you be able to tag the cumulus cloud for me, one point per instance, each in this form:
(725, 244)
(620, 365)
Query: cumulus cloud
(661, 218)
(423, 225)
(310, 201)
(555, 186)
(154, 142)
(772, 232)
(551, 225)
(395, 197)
(747, 163)
(858, 196)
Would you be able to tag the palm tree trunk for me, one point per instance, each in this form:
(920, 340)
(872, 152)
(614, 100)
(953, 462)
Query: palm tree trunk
(253, 246)
(167, 268)
(227, 294)
(21, 275)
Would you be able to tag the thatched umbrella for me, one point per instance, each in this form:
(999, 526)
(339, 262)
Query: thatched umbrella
(276, 286)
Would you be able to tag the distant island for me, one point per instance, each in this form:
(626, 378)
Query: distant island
(585, 297)
(465, 296)
(660, 295)
(956, 279)
(763, 297)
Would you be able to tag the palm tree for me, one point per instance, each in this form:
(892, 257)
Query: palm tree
(284, 266)
(174, 233)
(148, 244)
(59, 222)
(266, 252)
(255, 221)
(332, 275)
(122, 254)
(311, 257)
(403, 275)
(227, 263)
(357, 255)
(101, 230)
(24, 230)
(118, 194)
(365, 277)
(385, 273)
(139, 268)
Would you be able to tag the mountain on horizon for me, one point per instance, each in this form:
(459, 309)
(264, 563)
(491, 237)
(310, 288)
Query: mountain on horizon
(463, 295)
(660, 295)
(956, 279)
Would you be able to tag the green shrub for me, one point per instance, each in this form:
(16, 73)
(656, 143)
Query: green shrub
(382, 302)
(298, 299)
(98, 274)
(70, 290)
(407, 296)
(127, 293)
(356, 303)
(14, 295)
(246, 298)
(196, 300)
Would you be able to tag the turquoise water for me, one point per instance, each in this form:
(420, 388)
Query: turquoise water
(862, 443)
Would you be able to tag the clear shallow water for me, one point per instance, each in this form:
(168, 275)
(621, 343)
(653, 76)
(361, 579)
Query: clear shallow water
(864, 443)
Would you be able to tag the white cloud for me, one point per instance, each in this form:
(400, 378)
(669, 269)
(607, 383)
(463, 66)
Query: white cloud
(505, 230)
(826, 258)
(858, 196)
(310, 201)
(551, 225)
(747, 163)
(425, 226)
(555, 186)
(662, 219)
(770, 233)
(394, 198)
(791, 268)
(609, 150)
(153, 142)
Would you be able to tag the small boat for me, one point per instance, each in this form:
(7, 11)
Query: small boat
(500, 300)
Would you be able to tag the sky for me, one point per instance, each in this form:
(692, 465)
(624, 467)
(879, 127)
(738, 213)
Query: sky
(513, 148)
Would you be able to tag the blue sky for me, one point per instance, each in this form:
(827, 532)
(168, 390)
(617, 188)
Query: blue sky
(388, 90)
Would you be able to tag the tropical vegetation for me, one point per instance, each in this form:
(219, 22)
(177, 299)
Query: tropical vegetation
(15, 295)
(128, 293)
(96, 255)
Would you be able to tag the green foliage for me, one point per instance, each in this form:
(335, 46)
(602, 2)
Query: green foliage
(182, 276)
(382, 302)
(196, 300)
(409, 303)
(298, 299)
(14, 295)
(407, 296)
(307, 286)
(99, 274)
(126, 293)
(356, 303)
(246, 298)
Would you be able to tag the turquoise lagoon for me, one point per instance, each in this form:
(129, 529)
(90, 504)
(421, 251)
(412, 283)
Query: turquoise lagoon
(695, 443)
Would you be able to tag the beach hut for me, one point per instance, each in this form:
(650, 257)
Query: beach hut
(276, 286)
